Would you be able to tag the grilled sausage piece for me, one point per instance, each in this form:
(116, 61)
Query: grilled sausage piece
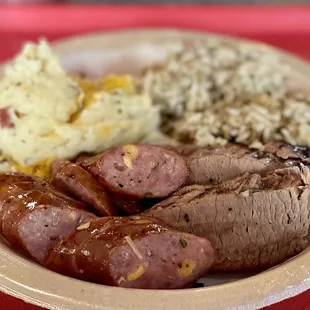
(139, 171)
(75, 180)
(16, 177)
(132, 252)
(34, 215)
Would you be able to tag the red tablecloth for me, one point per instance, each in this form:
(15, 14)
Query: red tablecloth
(287, 27)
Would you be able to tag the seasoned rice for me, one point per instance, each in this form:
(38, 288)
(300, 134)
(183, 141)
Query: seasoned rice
(217, 91)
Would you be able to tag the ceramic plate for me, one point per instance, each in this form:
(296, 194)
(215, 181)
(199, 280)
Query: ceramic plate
(99, 53)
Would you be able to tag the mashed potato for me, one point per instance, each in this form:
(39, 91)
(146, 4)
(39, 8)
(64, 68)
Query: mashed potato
(45, 114)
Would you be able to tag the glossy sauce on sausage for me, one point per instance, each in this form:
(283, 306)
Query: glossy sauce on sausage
(75, 180)
(34, 215)
(133, 252)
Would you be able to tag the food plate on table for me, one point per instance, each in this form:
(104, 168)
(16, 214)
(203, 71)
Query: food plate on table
(154, 168)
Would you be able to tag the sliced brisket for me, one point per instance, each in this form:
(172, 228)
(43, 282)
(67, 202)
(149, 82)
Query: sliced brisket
(215, 165)
(254, 222)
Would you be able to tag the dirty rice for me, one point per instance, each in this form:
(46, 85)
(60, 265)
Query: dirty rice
(218, 91)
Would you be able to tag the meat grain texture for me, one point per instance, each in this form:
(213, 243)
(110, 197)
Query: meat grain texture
(209, 165)
(254, 222)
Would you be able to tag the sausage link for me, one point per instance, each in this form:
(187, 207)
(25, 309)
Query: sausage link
(132, 252)
(139, 171)
(74, 179)
(34, 215)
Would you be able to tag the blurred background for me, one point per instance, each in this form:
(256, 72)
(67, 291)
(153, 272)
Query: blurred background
(282, 23)
(160, 1)
(191, 1)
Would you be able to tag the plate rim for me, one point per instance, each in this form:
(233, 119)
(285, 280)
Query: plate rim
(274, 285)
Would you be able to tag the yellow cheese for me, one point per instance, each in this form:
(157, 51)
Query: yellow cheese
(109, 84)
(42, 169)
(122, 82)
(186, 268)
(140, 270)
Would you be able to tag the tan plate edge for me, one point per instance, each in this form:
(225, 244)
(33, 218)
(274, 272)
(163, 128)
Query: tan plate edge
(54, 291)
(32, 283)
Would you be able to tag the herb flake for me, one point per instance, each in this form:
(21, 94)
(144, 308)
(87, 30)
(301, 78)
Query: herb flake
(183, 243)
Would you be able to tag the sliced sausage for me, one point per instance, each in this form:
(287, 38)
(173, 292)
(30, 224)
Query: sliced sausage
(33, 217)
(82, 185)
(34, 182)
(139, 171)
(132, 252)
(31, 182)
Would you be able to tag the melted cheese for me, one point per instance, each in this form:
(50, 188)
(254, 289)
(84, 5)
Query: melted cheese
(42, 169)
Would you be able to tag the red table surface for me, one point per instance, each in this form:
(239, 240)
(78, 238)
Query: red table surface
(287, 27)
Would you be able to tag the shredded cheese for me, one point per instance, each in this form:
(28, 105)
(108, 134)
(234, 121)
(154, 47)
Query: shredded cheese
(84, 226)
(41, 169)
(133, 246)
(186, 268)
(136, 274)
(131, 153)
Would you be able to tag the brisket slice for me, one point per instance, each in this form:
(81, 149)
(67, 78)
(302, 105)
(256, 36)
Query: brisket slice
(215, 165)
(254, 222)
